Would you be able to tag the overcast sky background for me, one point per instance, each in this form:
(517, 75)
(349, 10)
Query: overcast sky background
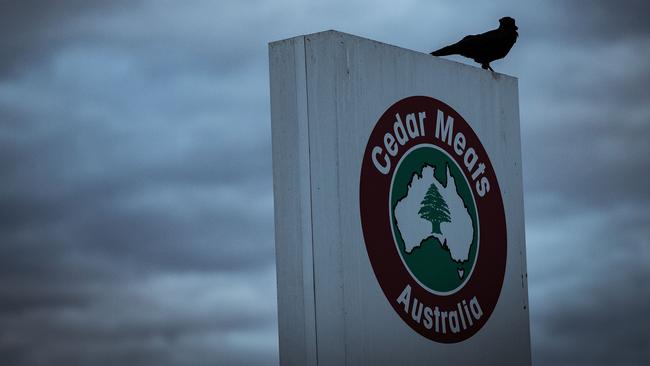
(136, 208)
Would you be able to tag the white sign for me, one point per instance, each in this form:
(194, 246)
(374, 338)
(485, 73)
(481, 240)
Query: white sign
(398, 207)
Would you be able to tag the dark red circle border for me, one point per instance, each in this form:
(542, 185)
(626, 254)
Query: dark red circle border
(487, 277)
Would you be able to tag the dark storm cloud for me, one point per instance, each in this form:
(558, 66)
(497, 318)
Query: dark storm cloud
(594, 169)
(604, 20)
(139, 196)
(591, 301)
(594, 138)
(136, 217)
(136, 197)
(584, 110)
(585, 131)
(169, 317)
(32, 29)
(95, 145)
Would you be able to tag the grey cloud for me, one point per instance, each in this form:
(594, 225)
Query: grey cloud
(146, 324)
(585, 133)
(30, 29)
(590, 309)
(128, 159)
(181, 198)
(136, 172)
(606, 327)
(603, 20)
(590, 161)
(584, 129)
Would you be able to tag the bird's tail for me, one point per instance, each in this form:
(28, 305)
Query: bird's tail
(445, 51)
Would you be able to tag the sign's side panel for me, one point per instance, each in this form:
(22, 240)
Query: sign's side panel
(291, 187)
(323, 65)
(522, 249)
(515, 206)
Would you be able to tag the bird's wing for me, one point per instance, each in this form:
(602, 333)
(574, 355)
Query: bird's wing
(462, 47)
(482, 48)
(476, 45)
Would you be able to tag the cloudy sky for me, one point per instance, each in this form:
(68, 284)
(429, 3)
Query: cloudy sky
(136, 208)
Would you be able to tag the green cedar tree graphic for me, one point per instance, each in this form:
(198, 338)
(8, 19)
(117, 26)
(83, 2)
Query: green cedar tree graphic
(434, 208)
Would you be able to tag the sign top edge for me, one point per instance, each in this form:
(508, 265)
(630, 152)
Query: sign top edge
(334, 33)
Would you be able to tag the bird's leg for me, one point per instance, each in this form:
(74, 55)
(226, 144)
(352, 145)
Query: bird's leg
(487, 67)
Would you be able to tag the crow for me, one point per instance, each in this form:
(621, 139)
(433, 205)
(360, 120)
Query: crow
(486, 47)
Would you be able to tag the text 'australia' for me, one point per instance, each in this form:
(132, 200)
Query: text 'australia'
(437, 319)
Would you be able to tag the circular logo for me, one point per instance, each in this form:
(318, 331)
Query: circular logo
(433, 219)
